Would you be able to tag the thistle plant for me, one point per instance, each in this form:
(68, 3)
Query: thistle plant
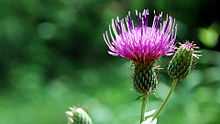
(143, 44)
(135, 39)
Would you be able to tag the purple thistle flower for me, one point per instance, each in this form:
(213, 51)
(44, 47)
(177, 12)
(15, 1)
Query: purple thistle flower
(141, 42)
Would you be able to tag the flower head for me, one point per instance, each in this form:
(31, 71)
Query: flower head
(137, 40)
(182, 61)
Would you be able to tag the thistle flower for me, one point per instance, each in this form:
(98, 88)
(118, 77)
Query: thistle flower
(142, 43)
(77, 115)
(182, 61)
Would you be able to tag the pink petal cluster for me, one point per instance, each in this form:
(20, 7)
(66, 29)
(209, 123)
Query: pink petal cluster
(136, 40)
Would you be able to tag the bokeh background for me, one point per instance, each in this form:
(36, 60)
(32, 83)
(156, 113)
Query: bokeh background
(52, 56)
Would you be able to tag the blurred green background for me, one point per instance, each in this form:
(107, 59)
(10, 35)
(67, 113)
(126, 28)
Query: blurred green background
(53, 56)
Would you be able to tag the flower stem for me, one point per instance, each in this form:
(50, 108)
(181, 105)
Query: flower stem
(166, 99)
(143, 107)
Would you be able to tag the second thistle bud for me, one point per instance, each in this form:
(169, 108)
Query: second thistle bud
(145, 78)
(77, 115)
(181, 63)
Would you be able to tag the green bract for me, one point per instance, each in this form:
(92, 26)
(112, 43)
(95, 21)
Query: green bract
(145, 78)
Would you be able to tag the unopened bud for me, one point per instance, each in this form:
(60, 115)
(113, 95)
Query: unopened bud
(77, 115)
(181, 63)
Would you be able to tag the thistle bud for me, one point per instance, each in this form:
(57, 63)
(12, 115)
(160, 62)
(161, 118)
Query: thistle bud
(145, 78)
(181, 63)
(77, 115)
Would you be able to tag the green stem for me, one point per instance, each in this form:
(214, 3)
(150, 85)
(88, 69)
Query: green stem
(166, 99)
(143, 107)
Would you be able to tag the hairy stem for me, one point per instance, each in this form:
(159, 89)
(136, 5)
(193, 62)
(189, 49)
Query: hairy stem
(143, 107)
(166, 99)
